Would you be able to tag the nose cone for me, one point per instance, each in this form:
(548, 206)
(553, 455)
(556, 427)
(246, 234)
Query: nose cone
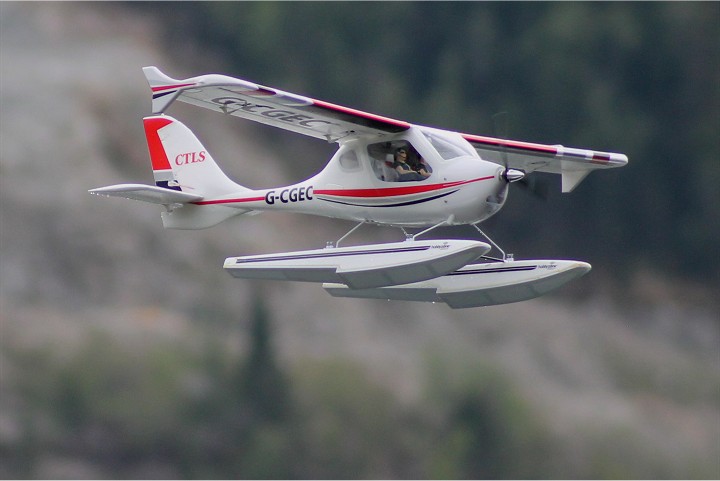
(513, 175)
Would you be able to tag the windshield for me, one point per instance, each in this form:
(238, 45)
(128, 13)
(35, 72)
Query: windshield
(448, 144)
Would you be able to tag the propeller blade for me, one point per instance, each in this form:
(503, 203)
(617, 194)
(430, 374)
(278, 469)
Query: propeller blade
(515, 176)
(500, 130)
(534, 187)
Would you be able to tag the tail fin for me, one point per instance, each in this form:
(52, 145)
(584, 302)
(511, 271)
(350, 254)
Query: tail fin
(181, 162)
(184, 173)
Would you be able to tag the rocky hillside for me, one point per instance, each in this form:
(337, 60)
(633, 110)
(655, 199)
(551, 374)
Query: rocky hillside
(72, 97)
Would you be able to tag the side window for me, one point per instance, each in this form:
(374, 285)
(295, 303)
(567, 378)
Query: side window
(349, 160)
(398, 161)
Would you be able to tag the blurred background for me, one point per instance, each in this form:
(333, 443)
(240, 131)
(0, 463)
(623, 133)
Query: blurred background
(127, 352)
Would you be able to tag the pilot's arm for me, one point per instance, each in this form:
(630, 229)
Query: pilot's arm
(402, 168)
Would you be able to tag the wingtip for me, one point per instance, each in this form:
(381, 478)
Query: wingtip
(156, 77)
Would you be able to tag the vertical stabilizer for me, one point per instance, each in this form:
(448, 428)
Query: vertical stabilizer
(181, 162)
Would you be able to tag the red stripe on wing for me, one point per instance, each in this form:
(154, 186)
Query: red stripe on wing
(170, 87)
(361, 114)
(491, 141)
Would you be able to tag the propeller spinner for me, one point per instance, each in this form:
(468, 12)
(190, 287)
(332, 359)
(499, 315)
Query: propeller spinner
(513, 175)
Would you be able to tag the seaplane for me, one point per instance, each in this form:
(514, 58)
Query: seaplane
(385, 172)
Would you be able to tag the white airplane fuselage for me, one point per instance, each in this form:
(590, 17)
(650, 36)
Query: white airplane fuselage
(461, 189)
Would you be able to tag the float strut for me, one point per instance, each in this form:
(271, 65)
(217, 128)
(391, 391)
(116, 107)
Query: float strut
(337, 243)
(505, 257)
(447, 221)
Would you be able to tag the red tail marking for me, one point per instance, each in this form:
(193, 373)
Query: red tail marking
(158, 157)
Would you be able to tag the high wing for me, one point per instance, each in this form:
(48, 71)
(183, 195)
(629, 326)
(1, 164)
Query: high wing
(269, 106)
(571, 163)
(335, 123)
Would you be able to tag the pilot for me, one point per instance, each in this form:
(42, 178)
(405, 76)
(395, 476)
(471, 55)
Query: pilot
(406, 172)
(418, 164)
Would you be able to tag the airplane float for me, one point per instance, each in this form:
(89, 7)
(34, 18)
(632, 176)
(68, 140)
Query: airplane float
(385, 172)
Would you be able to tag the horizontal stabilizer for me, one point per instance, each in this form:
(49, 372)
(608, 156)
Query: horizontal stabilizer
(147, 193)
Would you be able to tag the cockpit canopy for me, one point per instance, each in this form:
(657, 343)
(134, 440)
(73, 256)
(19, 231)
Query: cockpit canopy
(401, 160)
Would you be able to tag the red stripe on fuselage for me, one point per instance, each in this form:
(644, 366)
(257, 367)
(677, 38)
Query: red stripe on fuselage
(229, 201)
(396, 191)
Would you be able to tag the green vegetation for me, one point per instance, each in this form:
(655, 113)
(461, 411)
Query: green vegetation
(160, 408)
